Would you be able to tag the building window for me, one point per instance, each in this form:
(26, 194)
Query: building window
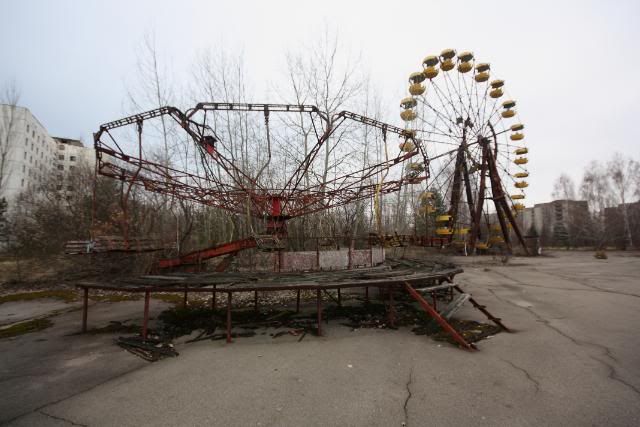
(70, 188)
(72, 158)
(59, 187)
(61, 157)
(25, 155)
(60, 167)
(23, 168)
(61, 147)
(27, 128)
(71, 167)
(22, 182)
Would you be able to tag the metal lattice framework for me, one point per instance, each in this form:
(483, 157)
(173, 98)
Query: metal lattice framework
(211, 176)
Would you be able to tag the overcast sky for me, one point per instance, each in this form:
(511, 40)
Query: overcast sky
(572, 66)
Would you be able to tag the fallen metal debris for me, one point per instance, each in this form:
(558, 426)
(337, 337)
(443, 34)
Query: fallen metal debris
(151, 349)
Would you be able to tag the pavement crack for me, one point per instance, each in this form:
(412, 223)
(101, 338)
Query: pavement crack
(606, 351)
(526, 373)
(61, 419)
(406, 401)
(591, 288)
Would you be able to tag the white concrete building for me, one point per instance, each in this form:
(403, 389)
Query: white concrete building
(29, 155)
(27, 152)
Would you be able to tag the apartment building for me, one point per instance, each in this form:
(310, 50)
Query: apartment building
(29, 155)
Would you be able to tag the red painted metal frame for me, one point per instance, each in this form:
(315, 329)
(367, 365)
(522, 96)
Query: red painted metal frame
(237, 191)
(198, 256)
(436, 316)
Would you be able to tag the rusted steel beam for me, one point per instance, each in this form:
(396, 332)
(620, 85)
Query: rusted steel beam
(436, 316)
(204, 254)
(484, 311)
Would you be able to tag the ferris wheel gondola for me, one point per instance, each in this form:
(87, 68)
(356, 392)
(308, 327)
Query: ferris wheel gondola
(476, 146)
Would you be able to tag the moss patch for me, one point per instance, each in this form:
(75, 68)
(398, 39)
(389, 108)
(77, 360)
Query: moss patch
(170, 298)
(64, 294)
(115, 297)
(22, 328)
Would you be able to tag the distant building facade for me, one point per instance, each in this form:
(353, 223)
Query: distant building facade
(30, 156)
(615, 225)
(558, 223)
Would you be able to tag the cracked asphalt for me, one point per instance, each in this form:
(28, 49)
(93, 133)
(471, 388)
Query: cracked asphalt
(574, 359)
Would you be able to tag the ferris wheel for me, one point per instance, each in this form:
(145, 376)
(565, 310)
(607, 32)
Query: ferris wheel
(474, 140)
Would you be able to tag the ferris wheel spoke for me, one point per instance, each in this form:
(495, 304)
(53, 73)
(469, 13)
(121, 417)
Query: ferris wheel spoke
(438, 116)
(447, 96)
(446, 116)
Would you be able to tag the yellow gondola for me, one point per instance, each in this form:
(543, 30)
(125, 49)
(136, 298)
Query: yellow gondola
(448, 53)
(426, 195)
(443, 231)
(518, 206)
(465, 67)
(446, 62)
(415, 167)
(407, 146)
(508, 114)
(496, 93)
(443, 218)
(494, 240)
(482, 246)
(517, 127)
(523, 150)
(481, 77)
(430, 61)
(521, 161)
(521, 175)
(521, 184)
(517, 196)
(408, 115)
(430, 72)
(517, 136)
(408, 102)
(417, 89)
(417, 77)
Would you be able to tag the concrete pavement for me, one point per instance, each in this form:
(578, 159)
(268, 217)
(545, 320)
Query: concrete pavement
(574, 360)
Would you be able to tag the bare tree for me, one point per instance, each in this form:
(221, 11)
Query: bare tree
(624, 173)
(595, 188)
(564, 188)
(10, 97)
(326, 74)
